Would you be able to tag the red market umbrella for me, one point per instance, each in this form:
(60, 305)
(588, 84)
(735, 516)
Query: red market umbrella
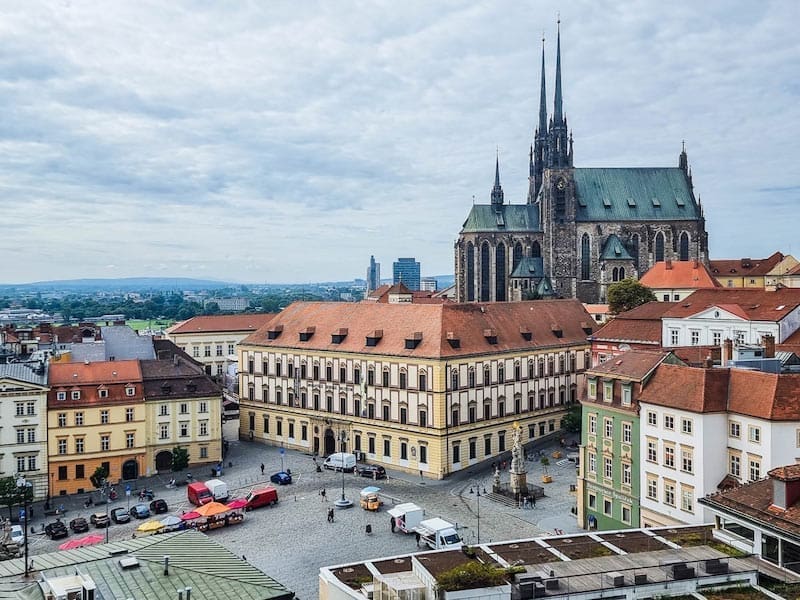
(237, 503)
(190, 516)
(80, 542)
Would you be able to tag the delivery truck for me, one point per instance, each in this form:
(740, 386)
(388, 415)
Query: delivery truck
(218, 489)
(438, 534)
(406, 517)
(198, 494)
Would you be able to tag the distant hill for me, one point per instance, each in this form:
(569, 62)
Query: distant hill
(127, 284)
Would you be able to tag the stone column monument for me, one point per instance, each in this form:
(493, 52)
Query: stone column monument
(518, 473)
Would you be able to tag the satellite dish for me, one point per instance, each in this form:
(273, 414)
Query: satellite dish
(624, 347)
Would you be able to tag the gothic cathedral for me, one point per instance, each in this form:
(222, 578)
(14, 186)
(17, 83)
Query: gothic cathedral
(580, 229)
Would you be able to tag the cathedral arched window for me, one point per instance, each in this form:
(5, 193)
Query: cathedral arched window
(586, 258)
(517, 255)
(614, 274)
(660, 246)
(485, 272)
(621, 273)
(683, 247)
(470, 283)
(536, 250)
(500, 273)
(635, 249)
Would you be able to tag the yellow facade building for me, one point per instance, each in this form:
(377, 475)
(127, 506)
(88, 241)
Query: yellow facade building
(424, 388)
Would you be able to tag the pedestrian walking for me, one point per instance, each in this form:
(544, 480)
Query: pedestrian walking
(330, 515)
(533, 500)
(262, 469)
(322, 493)
(416, 535)
(391, 523)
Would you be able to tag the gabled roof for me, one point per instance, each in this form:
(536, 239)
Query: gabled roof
(614, 249)
(755, 304)
(505, 217)
(790, 344)
(651, 194)
(639, 325)
(445, 329)
(117, 371)
(744, 267)
(221, 323)
(691, 274)
(633, 364)
(687, 388)
(529, 266)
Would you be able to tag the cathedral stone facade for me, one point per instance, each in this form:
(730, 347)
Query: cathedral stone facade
(580, 229)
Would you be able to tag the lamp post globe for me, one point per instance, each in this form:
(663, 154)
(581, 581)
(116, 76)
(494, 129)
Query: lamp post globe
(343, 502)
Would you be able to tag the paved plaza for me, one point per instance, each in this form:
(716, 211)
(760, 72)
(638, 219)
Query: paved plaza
(291, 541)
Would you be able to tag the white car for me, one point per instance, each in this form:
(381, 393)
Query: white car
(17, 535)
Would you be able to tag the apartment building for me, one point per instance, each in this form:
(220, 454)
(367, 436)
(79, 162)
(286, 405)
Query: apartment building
(96, 417)
(428, 388)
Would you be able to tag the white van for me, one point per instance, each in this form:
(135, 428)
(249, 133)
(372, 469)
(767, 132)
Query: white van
(340, 461)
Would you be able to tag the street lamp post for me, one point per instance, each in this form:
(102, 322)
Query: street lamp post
(108, 498)
(23, 486)
(343, 502)
(478, 494)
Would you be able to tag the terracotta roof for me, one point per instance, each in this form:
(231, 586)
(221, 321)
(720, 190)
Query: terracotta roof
(744, 267)
(633, 364)
(679, 274)
(650, 310)
(765, 395)
(754, 304)
(446, 329)
(596, 309)
(382, 294)
(687, 388)
(786, 473)
(641, 325)
(219, 323)
(790, 344)
(755, 502)
(117, 371)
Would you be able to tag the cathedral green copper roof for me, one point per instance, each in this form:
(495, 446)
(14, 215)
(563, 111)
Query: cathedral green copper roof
(614, 250)
(509, 217)
(655, 194)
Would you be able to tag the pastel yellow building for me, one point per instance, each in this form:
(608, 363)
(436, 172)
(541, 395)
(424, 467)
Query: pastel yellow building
(746, 272)
(96, 418)
(424, 388)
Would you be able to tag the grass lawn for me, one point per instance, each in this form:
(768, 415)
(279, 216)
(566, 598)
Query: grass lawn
(140, 324)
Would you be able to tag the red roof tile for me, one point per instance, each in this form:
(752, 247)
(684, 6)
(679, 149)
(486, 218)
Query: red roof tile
(68, 374)
(220, 323)
(744, 267)
(755, 304)
(679, 274)
(687, 388)
(633, 364)
(641, 325)
(447, 329)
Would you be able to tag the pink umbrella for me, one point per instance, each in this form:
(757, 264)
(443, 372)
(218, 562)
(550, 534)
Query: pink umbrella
(237, 503)
(80, 542)
(190, 516)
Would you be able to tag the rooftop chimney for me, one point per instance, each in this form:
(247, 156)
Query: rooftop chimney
(188, 593)
(727, 352)
(166, 564)
(668, 264)
(769, 345)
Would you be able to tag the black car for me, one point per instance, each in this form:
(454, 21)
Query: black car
(120, 515)
(158, 506)
(56, 530)
(371, 471)
(79, 525)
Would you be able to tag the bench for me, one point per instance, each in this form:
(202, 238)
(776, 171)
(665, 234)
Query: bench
(716, 566)
(681, 571)
(640, 579)
(616, 578)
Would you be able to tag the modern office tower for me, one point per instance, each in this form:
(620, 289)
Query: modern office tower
(406, 270)
(373, 275)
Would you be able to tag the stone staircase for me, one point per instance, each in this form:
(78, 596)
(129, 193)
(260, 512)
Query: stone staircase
(500, 499)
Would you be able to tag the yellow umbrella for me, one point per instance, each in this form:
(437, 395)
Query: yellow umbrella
(211, 509)
(150, 526)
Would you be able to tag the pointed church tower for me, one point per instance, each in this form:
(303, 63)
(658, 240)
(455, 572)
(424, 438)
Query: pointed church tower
(539, 149)
(497, 190)
(559, 145)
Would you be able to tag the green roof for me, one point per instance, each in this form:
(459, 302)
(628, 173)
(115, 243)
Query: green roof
(544, 289)
(195, 561)
(509, 217)
(614, 249)
(529, 267)
(655, 194)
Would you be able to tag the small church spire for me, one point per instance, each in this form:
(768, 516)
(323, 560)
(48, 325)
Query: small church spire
(542, 101)
(558, 108)
(683, 159)
(497, 190)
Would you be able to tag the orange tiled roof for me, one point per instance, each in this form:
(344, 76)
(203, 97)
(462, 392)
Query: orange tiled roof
(755, 304)
(220, 323)
(633, 364)
(687, 388)
(679, 274)
(744, 267)
(639, 325)
(596, 309)
(114, 371)
(445, 329)
(786, 473)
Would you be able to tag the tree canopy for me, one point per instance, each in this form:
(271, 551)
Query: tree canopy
(627, 294)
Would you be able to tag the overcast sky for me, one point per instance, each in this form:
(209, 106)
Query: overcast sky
(270, 141)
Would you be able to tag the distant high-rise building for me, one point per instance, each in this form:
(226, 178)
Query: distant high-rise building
(373, 275)
(407, 271)
(428, 284)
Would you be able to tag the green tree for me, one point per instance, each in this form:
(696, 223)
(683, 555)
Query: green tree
(572, 420)
(180, 458)
(98, 477)
(11, 495)
(627, 294)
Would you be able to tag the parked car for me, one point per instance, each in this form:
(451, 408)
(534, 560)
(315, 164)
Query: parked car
(100, 520)
(120, 515)
(159, 506)
(140, 511)
(371, 471)
(261, 497)
(17, 534)
(56, 530)
(79, 525)
(281, 478)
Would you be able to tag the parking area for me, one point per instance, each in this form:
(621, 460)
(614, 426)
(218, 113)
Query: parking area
(292, 540)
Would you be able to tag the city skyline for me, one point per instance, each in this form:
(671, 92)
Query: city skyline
(288, 143)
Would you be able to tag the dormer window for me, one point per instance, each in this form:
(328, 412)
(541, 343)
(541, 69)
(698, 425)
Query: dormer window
(338, 336)
(102, 393)
(374, 337)
(413, 340)
(307, 333)
(130, 390)
(76, 395)
(526, 334)
(274, 332)
(557, 331)
(453, 340)
(587, 327)
(61, 395)
(490, 335)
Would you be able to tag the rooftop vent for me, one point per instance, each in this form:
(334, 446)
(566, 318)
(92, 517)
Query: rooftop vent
(274, 332)
(526, 333)
(656, 203)
(413, 340)
(129, 562)
(607, 202)
(631, 202)
(337, 337)
(307, 333)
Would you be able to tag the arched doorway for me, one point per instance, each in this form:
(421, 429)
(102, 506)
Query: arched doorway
(130, 470)
(164, 461)
(330, 442)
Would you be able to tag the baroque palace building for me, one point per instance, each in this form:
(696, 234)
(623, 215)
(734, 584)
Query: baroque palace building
(581, 228)
(428, 388)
